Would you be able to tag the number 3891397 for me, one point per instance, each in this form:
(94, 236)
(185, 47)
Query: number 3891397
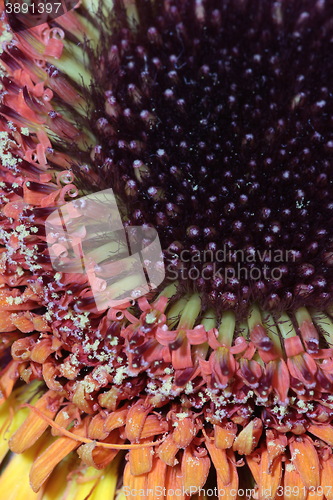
(33, 8)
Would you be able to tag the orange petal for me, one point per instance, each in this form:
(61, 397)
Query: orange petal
(64, 418)
(323, 431)
(229, 491)
(34, 425)
(168, 450)
(21, 348)
(154, 426)
(109, 399)
(156, 479)
(281, 379)
(270, 477)
(7, 380)
(80, 397)
(14, 209)
(181, 357)
(135, 420)
(194, 469)
(225, 435)
(327, 478)
(25, 372)
(97, 456)
(115, 419)
(276, 444)
(96, 428)
(141, 460)
(304, 457)
(22, 322)
(41, 351)
(248, 438)
(184, 432)
(220, 461)
(6, 324)
(316, 494)
(40, 324)
(134, 484)
(47, 461)
(13, 300)
(293, 486)
(253, 461)
(50, 372)
(174, 484)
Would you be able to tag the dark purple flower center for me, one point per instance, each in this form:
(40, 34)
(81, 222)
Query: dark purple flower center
(215, 126)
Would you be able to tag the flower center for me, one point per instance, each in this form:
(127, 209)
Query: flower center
(224, 144)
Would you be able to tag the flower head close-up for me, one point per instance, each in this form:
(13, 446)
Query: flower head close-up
(166, 250)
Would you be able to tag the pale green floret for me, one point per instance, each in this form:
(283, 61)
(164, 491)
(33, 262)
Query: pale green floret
(150, 318)
(5, 38)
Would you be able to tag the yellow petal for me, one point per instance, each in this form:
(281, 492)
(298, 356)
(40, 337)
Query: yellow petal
(12, 415)
(87, 483)
(63, 485)
(106, 485)
(121, 495)
(14, 480)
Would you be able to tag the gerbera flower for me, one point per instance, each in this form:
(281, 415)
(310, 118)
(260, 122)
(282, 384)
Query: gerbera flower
(211, 122)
